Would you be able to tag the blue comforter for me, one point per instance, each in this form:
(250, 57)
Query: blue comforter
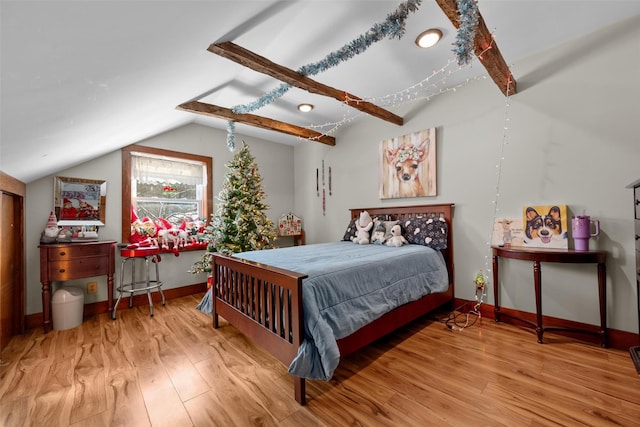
(348, 286)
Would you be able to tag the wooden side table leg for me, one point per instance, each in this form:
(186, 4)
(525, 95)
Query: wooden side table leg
(537, 280)
(47, 324)
(496, 290)
(602, 297)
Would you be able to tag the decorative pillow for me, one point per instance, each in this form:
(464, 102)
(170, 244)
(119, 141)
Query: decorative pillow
(424, 231)
(387, 227)
(351, 231)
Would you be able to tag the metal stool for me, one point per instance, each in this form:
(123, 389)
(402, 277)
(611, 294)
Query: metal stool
(131, 256)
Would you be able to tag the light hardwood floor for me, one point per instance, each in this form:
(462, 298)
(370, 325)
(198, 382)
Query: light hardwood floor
(175, 370)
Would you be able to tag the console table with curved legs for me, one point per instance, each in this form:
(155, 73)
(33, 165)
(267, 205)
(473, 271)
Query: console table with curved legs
(540, 255)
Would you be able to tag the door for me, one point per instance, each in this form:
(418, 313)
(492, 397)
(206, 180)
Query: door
(11, 270)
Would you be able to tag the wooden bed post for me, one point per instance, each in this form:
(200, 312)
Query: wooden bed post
(299, 388)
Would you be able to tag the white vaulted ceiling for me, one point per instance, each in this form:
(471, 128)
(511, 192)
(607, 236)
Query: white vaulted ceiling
(83, 78)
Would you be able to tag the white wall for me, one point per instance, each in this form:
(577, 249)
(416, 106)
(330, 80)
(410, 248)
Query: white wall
(571, 139)
(275, 166)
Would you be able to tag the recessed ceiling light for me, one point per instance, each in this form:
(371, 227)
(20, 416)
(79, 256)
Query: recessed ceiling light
(429, 38)
(305, 108)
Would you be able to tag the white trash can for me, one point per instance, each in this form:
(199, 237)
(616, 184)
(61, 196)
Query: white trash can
(67, 305)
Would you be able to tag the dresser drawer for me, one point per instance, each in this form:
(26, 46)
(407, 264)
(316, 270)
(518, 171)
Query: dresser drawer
(78, 268)
(69, 252)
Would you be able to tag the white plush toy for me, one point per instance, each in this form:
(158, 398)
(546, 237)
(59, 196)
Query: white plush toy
(363, 225)
(396, 239)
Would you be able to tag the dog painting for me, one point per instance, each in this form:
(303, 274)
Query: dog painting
(546, 226)
(408, 165)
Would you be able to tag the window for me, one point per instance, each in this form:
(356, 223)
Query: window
(165, 184)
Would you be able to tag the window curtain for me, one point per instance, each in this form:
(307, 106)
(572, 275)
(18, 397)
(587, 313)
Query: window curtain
(151, 169)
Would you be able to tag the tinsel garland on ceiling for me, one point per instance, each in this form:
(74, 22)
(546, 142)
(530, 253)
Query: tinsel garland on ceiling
(468, 10)
(231, 132)
(393, 27)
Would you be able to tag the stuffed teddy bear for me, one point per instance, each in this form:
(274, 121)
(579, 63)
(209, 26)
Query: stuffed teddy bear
(396, 239)
(363, 225)
(378, 237)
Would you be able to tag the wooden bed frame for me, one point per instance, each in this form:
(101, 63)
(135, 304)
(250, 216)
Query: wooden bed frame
(265, 303)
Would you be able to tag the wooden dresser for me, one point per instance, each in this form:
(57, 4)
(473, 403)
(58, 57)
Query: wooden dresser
(66, 261)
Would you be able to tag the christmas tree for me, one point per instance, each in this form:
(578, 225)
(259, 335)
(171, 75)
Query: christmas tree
(239, 223)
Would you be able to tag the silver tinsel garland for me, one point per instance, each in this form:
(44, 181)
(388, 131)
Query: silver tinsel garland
(393, 27)
(468, 10)
(231, 137)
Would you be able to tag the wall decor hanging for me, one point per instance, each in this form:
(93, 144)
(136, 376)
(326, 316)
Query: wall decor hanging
(289, 224)
(79, 201)
(408, 165)
(325, 179)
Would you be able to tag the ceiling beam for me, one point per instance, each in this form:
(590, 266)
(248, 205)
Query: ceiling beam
(211, 110)
(485, 49)
(263, 65)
